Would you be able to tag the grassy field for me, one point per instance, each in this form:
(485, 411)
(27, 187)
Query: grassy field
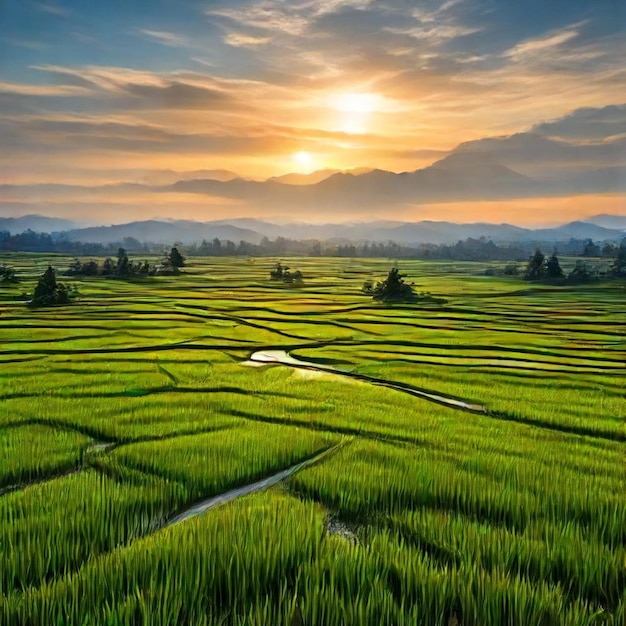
(119, 412)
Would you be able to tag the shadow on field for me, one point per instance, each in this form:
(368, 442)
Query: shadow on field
(149, 391)
(317, 426)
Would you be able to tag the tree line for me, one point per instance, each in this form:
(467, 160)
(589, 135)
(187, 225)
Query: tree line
(124, 267)
(470, 249)
(50, 292)
(540, 267)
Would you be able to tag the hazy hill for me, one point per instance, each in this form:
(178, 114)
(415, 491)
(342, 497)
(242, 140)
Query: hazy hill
(524, 165)
(38, 223)
(617, 222)
(253, 230)
(574, 230)
(168, 177)
(303, 179)
(463, 175)
(164, 232)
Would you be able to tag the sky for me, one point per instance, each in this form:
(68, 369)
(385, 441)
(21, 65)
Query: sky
(93, 94)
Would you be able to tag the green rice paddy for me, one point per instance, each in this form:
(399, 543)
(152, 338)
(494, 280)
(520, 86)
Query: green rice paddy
(123, 410)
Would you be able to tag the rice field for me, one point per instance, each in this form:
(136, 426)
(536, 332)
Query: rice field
(140, 402)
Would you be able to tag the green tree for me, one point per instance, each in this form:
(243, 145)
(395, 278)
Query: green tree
(512, 269)
(618, 267)
(176, 258)
(7, 274)
(278, 272)
(107, 267)
(393, 288)
(48, 292)
(581, 273)
(553, 267)
(536, 268)
(123, 264)
(591, 249)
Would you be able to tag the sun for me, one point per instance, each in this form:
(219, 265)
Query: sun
(303, 159)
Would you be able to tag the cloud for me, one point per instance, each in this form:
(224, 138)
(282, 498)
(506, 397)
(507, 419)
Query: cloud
(541, 44)
(166, 38)
(264, 77)
(589, 124)
(52, 9)
(42, 90)
(240, 39)
(136, 90)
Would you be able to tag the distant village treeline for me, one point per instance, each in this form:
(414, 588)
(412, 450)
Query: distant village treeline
(470, 249)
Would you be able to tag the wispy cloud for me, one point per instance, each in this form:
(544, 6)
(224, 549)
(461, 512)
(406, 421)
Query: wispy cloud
(52, 8)
(241, 39)
(22, 89)
(166, 38)
(542, 44)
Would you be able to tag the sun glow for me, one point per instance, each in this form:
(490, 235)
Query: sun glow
(354, 110)
(356, 102)
(303, 160)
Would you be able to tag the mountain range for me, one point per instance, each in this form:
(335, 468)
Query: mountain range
(521, 166)
(480, 171)
(254, 230)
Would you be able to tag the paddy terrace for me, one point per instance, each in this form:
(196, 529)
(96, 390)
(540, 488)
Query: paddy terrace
(219, 448)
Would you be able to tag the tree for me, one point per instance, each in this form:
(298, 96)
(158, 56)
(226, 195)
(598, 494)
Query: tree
(608, 250)
(283, 274)
(591, 249)
(107, 267)
(553, 267)
(618, 267)
(581, 273)
(512, 269)
(278, 272)
(88, 268)
(536, 268)
(393, 288)
(48, 292)
(7, 274)
(123, 265)
(176, 258)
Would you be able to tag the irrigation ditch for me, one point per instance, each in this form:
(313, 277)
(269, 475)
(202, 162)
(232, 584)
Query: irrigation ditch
(281, 357)
(265, 483)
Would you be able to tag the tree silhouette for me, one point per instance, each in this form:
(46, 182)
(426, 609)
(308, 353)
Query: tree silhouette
(278, 272)
(536, 268)
(7, 274)
(553, 267)
(393, 288)
(618, 267)
(581, 273)
(48, 292)
(283, 274)
(591, 249)
(177, 260)
(123, 264)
